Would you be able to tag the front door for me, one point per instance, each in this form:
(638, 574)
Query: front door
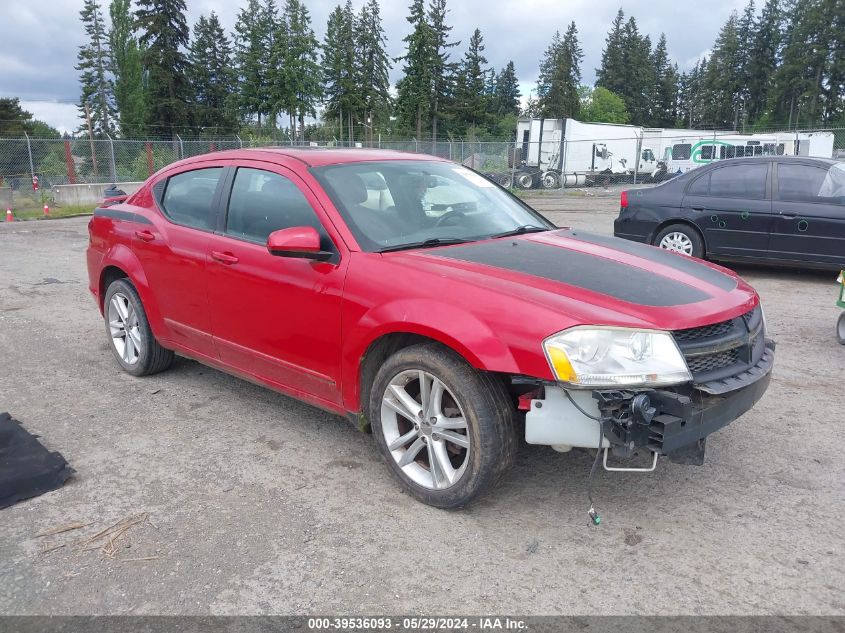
(732, 207)
(275, 318)
(809, 212)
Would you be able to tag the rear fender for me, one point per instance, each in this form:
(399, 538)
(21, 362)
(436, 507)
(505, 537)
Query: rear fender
(121, 256)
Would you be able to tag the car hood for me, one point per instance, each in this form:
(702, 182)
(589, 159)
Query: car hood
(594, 279)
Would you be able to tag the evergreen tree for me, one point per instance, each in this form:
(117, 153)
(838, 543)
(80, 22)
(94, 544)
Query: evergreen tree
(125, 64)
(414, 88)
(723, 77)
(612, 74)
(97, 99)
(14, 121)
(640, 75)
(763, 58)
(442, 70)
(507, 93)
(340, 85)
(300, 67)
(665, 94)
(164, 35)
(373, 66)
(471, 103)
(560, 77)
(212, 77)
(253, 49)
(746, 28)
(808, 84)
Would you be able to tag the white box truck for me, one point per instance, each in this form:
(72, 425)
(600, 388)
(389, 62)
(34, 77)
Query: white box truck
(551, 152)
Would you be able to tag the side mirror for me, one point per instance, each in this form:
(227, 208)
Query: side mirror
(297, 241)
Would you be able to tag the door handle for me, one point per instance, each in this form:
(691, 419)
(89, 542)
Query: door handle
(145, 235)
(224, 258)
(699, 209)
(788, 216)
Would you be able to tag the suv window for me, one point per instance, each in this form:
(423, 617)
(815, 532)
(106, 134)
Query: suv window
(188, 196)
(740, 181)
(263, 202)
(805, 183)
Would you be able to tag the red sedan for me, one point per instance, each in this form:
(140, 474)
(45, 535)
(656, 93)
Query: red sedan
(422, 300)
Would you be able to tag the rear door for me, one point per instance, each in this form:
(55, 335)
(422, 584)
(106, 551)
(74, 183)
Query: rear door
(809, 213)
(732, 206)
(173, 252)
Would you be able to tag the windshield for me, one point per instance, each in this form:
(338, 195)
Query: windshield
(404, 202)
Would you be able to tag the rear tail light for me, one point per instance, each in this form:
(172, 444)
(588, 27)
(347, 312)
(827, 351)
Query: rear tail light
(623, 200)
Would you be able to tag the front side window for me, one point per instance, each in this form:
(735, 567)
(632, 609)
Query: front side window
(404, 202)
(188, 197)
(262, 202)
(805, 183)
(740, 181)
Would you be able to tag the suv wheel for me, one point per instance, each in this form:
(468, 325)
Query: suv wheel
(680, 238)
(445, 429)
(132, 341)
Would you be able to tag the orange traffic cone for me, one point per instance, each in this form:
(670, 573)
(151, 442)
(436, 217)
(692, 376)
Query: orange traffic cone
(46, 210)
(9, 216)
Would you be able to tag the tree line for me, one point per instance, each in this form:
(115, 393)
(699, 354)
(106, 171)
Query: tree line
(145, 72)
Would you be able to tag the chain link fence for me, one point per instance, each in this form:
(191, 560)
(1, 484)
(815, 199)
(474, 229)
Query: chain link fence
(620, 156)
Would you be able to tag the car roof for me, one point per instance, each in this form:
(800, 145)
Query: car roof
(764, 159)
(316, 156)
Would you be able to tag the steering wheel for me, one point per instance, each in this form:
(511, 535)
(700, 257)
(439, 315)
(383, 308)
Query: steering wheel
(448, 215)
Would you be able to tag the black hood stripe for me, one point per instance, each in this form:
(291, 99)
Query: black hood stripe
(685, 265)
(597, 274)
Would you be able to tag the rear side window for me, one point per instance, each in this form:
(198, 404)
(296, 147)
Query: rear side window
(700, 186)
(188, 197)
(263, 202)
(805, 183)
(740, 181)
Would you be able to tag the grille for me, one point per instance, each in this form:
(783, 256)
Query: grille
(710, 362)
(707, 365)
(705, 331)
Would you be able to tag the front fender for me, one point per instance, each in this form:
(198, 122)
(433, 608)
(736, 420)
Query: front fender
(122, 257)
(453, 326)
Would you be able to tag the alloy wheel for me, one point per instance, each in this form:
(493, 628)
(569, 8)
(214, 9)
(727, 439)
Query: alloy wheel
(425, 429)
(124, 328)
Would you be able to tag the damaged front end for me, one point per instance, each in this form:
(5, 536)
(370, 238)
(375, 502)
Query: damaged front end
(730, 363)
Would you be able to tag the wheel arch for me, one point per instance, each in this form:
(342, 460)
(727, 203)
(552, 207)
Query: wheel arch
(121, 263)
(495, 357)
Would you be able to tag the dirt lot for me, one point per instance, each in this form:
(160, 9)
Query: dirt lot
(259, 504)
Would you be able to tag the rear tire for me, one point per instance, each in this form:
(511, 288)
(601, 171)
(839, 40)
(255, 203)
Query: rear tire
(468, 433)
(680, 238)
(131, 340)
(840, 329)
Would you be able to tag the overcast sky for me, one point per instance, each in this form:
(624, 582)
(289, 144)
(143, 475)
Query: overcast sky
(39, 40)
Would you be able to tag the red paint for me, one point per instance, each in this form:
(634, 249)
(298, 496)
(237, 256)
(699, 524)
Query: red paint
(302, 326)
(299, 239)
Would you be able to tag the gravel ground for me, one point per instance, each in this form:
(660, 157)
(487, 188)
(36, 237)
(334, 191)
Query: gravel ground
(260, 504)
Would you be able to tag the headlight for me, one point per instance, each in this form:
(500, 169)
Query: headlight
(608, 357)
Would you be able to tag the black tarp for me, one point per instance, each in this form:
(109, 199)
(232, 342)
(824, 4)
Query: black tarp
(27, 469)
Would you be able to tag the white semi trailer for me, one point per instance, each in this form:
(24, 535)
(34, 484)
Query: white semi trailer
(551, 152)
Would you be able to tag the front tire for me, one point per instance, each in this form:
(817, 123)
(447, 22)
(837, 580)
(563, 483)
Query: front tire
(130, 337)
(680, 238)
(445, 429)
